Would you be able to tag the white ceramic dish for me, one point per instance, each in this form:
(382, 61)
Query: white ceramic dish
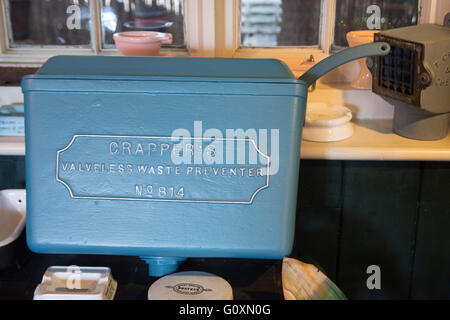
(12, 215)
(325, 123)
(76, 283)
(190, 285)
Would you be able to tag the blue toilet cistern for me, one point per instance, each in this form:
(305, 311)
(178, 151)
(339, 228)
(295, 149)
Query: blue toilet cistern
(166, 158)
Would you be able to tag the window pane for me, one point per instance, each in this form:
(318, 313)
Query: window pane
(269, 23)
(50, 22)
(144, 15)
(352, 15)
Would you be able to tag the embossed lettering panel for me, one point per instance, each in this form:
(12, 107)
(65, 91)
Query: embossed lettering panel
(225, 170)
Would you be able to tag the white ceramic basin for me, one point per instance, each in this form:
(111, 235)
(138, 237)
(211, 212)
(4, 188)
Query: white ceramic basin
(12, 215)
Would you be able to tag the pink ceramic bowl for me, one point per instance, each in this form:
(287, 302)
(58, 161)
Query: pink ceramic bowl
(356, 38)
(359, 37)
(141, 43)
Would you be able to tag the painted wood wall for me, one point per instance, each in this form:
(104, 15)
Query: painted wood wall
(396, 215)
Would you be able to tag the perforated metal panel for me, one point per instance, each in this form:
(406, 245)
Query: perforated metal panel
(397, 71)
(400, 74)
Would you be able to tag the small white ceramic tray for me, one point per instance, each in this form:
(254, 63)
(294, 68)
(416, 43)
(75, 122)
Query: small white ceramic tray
(76, 283)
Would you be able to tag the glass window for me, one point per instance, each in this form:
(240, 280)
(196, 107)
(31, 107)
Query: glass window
(49, 22)
(268, 23)
(143, 15)
(372, 14)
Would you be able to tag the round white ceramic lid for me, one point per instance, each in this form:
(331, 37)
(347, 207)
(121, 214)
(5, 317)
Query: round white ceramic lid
(324, 123)
(191, 285)
(323, 115)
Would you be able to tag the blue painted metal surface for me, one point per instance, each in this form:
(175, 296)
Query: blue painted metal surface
(105, 174)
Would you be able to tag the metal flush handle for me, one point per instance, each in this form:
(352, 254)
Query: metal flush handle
(342, 57)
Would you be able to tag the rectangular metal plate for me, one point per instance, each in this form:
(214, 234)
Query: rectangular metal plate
(396, 74)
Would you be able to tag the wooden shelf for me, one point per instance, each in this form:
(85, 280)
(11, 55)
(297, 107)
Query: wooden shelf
(374, 140)
(12, 146)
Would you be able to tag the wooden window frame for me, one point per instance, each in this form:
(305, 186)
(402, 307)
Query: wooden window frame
(229, 35)
(211, 30)
(35, 56)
